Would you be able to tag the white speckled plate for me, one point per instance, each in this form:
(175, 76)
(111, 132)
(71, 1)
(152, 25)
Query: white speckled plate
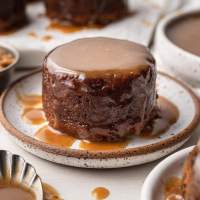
(153, 187)
(139, 150)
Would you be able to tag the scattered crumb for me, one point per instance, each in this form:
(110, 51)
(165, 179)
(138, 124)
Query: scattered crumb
(146, 23)
(33, 34)
(6, 58)
(47, 37)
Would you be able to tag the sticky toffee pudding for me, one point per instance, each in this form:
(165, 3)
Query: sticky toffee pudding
(99, 89)
(86, 12)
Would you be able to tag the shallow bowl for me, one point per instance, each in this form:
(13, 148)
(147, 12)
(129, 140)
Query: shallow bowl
(176, 60)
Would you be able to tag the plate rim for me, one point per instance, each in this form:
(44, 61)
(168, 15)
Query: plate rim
(147, 187)
(87, 154)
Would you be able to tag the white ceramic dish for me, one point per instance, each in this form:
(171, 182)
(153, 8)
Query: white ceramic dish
(6, 73)
(179, 62)
(139, 150)
(14, 51)
(16, 169)
(153, 188)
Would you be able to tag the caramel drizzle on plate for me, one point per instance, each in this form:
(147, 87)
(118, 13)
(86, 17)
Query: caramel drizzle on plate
(168, 115)
(33, 114)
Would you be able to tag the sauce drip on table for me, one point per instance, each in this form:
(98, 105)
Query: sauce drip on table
(100, 193)
(34, 114)
(174, 189)
(14, 191)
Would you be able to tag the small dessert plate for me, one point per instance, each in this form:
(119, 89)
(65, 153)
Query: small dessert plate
(138, 151)
(172, 166)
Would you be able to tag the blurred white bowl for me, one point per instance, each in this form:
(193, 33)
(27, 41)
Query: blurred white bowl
(181, 63)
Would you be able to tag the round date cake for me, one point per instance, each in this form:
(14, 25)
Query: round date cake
(86, 12)
(99, 89)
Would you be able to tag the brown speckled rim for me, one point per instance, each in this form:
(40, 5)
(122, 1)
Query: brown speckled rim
(84, 154)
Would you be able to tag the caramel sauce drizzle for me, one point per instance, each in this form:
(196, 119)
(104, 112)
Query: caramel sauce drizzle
(34, 114)
(30, 101)
(32, 109)
(64, 28)
(53, 137)
(100, 193)
(174, 189)
(169, 115)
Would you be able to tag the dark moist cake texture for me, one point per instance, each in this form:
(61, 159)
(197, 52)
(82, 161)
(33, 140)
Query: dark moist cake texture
(86, 12)
(99, 89)
(12, 14)
(191, 177)
(185, 33)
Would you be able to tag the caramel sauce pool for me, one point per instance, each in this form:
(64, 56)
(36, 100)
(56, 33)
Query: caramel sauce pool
(33, 114)
(32, 109)
(168, 115)
(14, 191)
(174, 189)
(30, 101)
(100, 193)
(53, 137)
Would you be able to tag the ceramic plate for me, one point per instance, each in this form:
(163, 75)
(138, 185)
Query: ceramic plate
(139, 151)
(153, 188)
